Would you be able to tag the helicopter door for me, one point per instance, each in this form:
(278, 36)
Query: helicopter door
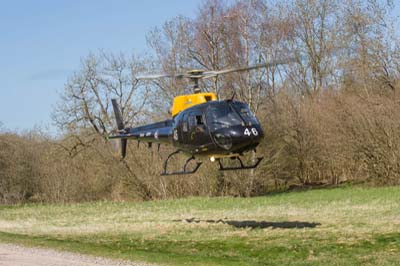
(185, 130)
(198, 133)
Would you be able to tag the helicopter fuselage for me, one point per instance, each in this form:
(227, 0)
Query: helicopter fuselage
(214, 129)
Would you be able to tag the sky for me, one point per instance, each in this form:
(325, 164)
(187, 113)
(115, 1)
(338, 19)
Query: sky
(43, 41)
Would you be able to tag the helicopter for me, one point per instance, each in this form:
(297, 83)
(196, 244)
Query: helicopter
(201, 125)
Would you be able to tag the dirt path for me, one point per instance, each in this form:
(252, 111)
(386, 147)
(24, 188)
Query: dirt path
(13, 255)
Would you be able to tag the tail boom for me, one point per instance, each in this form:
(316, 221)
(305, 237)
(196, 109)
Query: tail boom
(158, 132)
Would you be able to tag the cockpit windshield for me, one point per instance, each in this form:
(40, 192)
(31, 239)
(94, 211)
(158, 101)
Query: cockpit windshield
(245, 113)
(222, 116)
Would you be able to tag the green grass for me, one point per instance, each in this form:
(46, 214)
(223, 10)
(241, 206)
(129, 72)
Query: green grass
(344, 226)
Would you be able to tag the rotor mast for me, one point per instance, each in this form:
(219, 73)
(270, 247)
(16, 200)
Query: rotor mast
(195, 75)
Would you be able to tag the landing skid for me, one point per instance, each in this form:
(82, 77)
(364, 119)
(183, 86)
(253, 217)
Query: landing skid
(185, 171)
(241, 167)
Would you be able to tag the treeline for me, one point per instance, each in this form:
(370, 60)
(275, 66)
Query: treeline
(331, 115)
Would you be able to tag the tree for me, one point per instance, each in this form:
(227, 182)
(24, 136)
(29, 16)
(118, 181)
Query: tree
(86, 99)
(170, 46)
(85, 112)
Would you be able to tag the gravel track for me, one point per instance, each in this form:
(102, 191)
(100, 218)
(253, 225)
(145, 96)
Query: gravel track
(13, 255)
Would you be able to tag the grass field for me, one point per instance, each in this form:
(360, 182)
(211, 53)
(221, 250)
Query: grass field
(343, 226)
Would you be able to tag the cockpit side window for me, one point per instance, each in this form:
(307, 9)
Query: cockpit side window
(195, 119)
(199, 120)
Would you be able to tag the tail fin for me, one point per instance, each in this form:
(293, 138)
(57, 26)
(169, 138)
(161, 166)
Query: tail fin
(120, 125)
(118, 115)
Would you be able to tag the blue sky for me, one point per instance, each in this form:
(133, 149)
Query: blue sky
(42, 42)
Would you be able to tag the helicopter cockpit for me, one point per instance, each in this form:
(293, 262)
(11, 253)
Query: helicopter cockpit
(228, 114)
(233, 126)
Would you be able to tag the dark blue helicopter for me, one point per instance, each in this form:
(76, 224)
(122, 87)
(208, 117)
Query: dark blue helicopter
(201, 126)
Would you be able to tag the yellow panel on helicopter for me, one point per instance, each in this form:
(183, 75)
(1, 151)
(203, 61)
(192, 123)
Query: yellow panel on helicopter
(183, 102)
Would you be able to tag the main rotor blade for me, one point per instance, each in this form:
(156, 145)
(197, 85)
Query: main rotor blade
(157, 76)
(200, 74)
(210, 74)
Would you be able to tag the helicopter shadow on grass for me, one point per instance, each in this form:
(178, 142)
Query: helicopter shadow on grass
(256, 224)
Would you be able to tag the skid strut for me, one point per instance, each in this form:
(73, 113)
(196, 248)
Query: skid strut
(241, 167)
(184, 172)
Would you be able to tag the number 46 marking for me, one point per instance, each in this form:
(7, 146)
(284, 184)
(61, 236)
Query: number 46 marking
(247, 132)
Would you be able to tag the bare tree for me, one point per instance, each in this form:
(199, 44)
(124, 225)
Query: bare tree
(170, 46)
(85, 112)
(210, 39)
(314, 42)
(86, 99)
(371, 41)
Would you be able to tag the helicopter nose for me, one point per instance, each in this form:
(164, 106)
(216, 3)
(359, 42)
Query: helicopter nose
(249, 135)
(239, 138)
(224, 140)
